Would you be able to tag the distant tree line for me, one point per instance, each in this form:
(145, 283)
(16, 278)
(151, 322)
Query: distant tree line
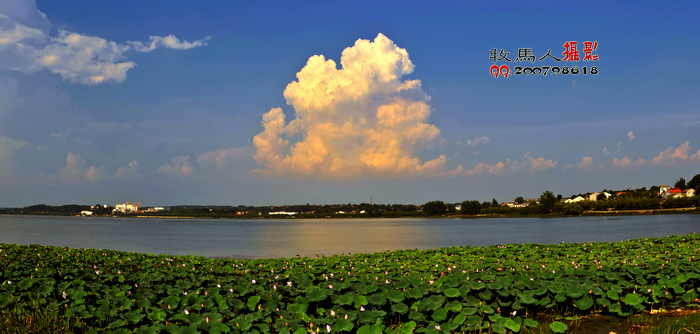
(58, 210)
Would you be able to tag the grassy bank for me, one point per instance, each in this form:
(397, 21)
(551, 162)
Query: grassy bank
(507, 288)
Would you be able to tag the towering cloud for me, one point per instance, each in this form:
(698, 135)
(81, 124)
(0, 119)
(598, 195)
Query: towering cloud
(361, 119)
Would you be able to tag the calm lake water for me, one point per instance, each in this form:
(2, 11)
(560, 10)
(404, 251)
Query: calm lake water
(266, 238)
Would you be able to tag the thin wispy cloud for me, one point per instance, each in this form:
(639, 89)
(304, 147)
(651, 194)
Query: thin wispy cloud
(476, 142)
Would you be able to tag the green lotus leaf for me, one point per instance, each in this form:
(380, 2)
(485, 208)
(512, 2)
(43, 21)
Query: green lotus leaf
(345, 299)
(678, 289)
(45, 289)
(243, 324)
(194, 318)
(454, 306)
(25, 283)
(452, 293)
(270, 305)
(417, 316)
(132, 317)
(558, 327)
(528, 300)
(414, 293)
(403, 284)
(476, 285)
(297, 308)
(488, 278)
(474, 320)
(369, 288)
(315, 294)
(584, 303)
(235, 303)
(485, 295)
(253, 302)
(342, 325)
(632, 299)
(689, 296)
(439, 315)
(469, 310)
(531, 323)
(395, 296)
(576, 292)
(459, 319)
(540, 291)
(437, 299)
(360, 301)
(149, 330)
(370, 329)
(406, 328)
(512, 325)
(429, 305)
(377, 299)
(614, 308)
(366, 317)
(400, 308)
(415, 281)
(603, 302)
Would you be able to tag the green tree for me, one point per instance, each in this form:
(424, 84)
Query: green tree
(694, 183)
(485, 205)
(451, 208)
(434, 208)
(519, 200)
(471, 207)
(547, 201)
(494, 203)
(680, 183)
(559, 197)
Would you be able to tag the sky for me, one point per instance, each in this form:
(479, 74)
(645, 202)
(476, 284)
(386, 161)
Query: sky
(282, 102)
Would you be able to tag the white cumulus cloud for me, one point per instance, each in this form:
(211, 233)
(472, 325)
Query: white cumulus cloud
(178, 166)
(128, 171)
(25, 46)
(630, 136)
(361, 119)
(7, 148)
(75, 169)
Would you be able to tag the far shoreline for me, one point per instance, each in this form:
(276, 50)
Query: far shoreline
(592, 213)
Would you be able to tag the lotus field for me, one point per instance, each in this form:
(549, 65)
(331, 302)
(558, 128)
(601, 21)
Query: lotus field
(459, 289)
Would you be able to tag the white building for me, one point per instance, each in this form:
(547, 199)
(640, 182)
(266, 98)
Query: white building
(574, 200)
(283, 213)
(126, 207)
(594, 196)
(690, 192)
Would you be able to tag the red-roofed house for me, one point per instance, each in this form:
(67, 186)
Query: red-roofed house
(674, 192)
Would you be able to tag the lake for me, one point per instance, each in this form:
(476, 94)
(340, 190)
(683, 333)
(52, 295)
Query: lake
(267, 238)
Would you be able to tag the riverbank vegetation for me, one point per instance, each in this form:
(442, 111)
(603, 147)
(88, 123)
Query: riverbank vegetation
(502, 288)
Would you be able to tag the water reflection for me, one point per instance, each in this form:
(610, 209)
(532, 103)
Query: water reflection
(264, 238)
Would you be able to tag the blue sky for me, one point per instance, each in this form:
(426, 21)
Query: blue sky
(230, 103)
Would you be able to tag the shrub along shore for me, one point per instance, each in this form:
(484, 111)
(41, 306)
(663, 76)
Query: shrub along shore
(502, 288)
